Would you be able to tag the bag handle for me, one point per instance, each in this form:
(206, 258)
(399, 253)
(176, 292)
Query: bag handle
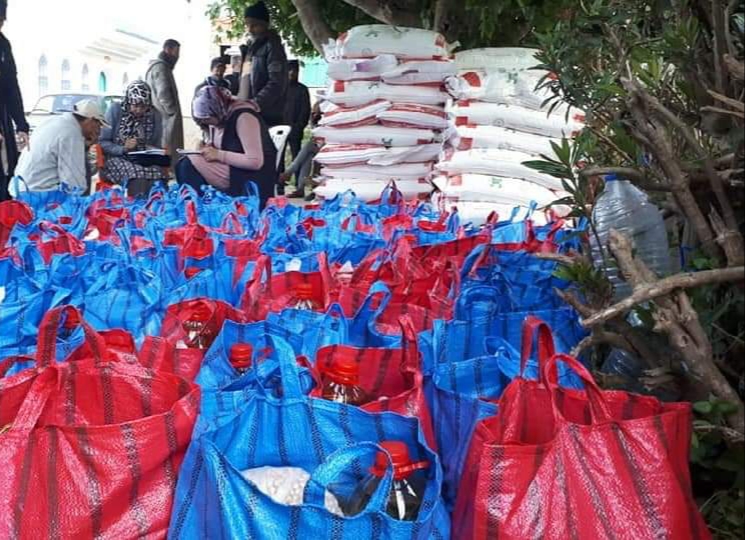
(38, 395)
(328, 471)
(8, 363)
(46, 354)
(410, 347)
(231, 224)
(599, 410)
(534, 329)
(291, 385)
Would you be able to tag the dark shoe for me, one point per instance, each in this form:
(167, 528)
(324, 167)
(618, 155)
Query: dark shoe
(310, 197)
(296, 194)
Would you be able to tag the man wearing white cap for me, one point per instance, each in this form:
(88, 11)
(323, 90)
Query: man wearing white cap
(56, 154)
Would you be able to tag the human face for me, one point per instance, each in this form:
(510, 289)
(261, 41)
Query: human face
(219, 72)
(293, 75)
(138, 109)
(255, 27)
(174, 52)
(91, 130)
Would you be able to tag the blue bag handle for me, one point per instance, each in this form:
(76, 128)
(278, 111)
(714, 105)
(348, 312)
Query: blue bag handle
(291, 385)
(328, 471)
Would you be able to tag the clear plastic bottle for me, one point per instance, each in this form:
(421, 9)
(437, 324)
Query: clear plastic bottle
(627, 209)
(241, 355)
(409, 483)
(341, 382)
(303, 298)
(198, 333)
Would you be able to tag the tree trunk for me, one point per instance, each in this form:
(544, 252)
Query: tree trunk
(449, 19)
(313, 23)
(390, 12)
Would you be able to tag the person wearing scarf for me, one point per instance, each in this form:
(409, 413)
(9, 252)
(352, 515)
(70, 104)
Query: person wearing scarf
(165, 96)
(239, 148)
(135, 126)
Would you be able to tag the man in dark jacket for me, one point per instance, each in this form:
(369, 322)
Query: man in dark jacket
(217, 77)
(297, 111)
(11, 110)
(264, 72)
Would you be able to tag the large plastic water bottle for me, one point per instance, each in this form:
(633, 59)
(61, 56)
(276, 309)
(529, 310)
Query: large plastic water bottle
(627, 209)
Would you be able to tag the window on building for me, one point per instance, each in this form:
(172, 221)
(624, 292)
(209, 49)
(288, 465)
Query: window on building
(85, 84)
(65, 82)
(43, 77)
(102, 82)
(125, 81)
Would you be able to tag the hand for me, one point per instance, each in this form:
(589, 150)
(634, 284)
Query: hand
(130, 144)
(210, 153)
(284, 178)
(23, 139)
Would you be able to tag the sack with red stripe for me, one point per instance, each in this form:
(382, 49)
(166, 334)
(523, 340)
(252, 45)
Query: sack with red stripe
(557, 463)
(90, 448)
(391, 378)
(189, 328)
(11, 214)
(270, 293)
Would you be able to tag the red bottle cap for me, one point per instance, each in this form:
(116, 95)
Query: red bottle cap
(343, 368)
(241, 355)
(304, 291)
(402, 465)
(191, 271)
(72, 321)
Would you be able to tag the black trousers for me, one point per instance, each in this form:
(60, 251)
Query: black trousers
(187, 174)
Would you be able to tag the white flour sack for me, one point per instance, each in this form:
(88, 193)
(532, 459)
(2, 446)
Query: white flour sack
(370, 190)
(484, 188)
(508, 87)
(341, 155)
(478, 212)
(493, 59)
(472, 136)
(354, 116)
(410, 171)
(386, 136)
(420, 72)
(361, 69)
(356, 93)
(494, 162)
(372, 40)
(518, 118)
(414, 116)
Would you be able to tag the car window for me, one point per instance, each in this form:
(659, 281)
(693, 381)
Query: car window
(45, 104)
(65, 103)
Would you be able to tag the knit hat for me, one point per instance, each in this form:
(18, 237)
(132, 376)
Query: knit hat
(293, 64)
(257, 11)
(3, 9)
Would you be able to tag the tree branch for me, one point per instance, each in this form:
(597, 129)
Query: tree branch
(313, 23)
(728, 112)
(637, 177)
(735, 104)
(665, 286)
(388, 12)
(736, 69)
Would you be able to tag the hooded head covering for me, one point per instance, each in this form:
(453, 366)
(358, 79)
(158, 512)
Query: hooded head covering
(212, 102)
(3, 9)
(257, 11)
(131, 126)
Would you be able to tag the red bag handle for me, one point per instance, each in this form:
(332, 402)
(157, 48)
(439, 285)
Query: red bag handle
(535, 328)
(231, 224)
(46, 353)
(38, 395)
(599, 410)
(411, 360)
(8, 363)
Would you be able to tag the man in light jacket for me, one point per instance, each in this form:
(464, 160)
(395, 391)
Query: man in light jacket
(264, 72)
(56, 154)
(165, 96)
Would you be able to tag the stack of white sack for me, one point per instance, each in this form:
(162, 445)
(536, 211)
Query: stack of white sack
(499, 121)
(383, 112)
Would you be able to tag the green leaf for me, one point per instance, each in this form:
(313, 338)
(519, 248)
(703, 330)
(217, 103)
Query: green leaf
(703, 407)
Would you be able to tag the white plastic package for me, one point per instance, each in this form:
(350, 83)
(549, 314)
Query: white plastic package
(361, 69)
(494, 162)
(420, 72)
(412, 171)
(509, 88)
(416, 116)
(485, 188)
(286, 485)
(469, 137)
(507, 58)
(356, 93)
(349, 154)
(518, 118)
(383, 135)
(370, 190)
(354, 116)
(368, 41)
